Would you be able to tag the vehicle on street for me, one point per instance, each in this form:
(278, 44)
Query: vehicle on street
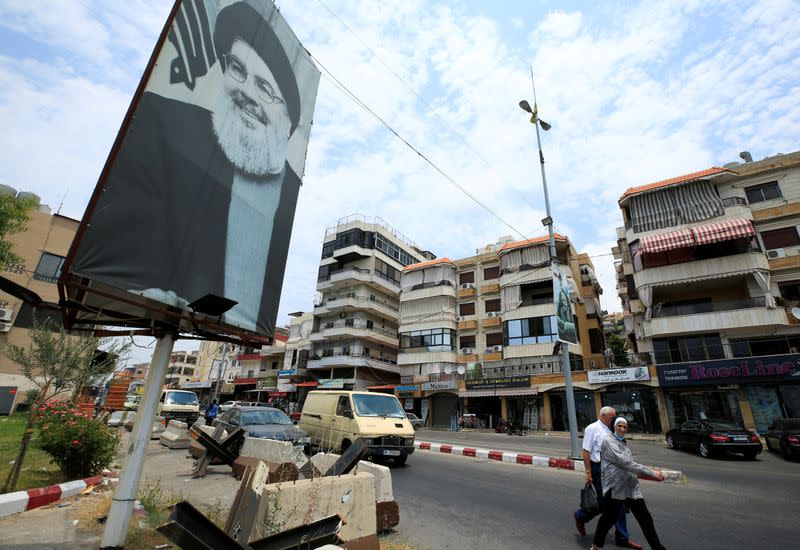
(711, 437)
(263, 423)
(783, 436)
(335, 419)
(179, 405)
(132, 402)
(416, 422)
(227, 405)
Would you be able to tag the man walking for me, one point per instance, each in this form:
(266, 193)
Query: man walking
(593, 437)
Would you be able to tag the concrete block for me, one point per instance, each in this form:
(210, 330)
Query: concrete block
(287, 505)
(267, 450)
(158, 427)
(118, 418)
(128, 423)
(277, 472)
(381, 474)
(175, 436)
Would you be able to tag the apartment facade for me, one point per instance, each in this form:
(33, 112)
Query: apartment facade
(42, 245)
(354, 331)
(477, 336)
(182, 368)
(708, 271)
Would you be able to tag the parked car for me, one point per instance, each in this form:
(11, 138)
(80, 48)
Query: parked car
(709, 437)
(179, 405)
(416, 422)
(227, 405)
(784, 436)
(264, 423)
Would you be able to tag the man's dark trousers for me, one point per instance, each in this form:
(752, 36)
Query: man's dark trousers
(621, 525)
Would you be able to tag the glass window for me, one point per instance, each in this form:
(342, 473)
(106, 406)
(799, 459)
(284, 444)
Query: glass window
(181, 398)
(763, 192)
(466, 341)
(492, 305)
(494, 339)
(468, 277)
(780, 238)
(378, 405)
(250, 418)
(467, 309)
(49, 268)
(535, 330)
(343, 406)
(491, 273)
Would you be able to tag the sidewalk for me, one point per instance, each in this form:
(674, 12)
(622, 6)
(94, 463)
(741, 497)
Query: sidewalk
(539, 449)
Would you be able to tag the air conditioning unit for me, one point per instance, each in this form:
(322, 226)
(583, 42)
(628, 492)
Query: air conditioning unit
(5, 314)
(459, 319)
(466, 351)
(497, 348)
(466, 286)
(493, 314)
(5, 327)
(488, 350)
(776, 253)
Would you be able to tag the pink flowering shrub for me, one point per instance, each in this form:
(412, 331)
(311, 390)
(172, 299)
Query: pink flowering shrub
(79, 445)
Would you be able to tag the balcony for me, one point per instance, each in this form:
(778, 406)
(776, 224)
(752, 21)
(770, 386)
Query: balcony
(353, 302)
(466, 292)
(493, 356)
(348, 275)
(471, 324)
(428, 290)
(492, 288)
(530, 309)
(701, 269)
(491, 321)
(347, 360)
(355, 330)
(416, 356)
(721, 315)
(444, 377)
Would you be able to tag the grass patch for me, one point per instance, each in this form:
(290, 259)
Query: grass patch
(37, 470)
(392, 541)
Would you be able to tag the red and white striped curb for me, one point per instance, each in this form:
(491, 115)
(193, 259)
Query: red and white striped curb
(22, 501)
(673, 476)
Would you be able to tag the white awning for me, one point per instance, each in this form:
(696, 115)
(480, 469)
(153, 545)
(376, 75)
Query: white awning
(498, 392)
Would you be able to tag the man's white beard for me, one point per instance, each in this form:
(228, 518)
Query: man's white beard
(250, 150)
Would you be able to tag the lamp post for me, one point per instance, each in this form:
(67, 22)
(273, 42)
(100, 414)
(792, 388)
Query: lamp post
(548, 221)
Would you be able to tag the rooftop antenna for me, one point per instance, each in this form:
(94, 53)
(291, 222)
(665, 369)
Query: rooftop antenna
(62, 202)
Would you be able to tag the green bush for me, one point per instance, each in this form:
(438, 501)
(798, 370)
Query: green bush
(80, 446)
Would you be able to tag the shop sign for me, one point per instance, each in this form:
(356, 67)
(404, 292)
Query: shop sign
(634, 374)
(288, 372)
(286, 388)
(227, 388)
(743, 370)
(267, 383)
(443, 385)
(408, 404)
(331, 384)
(195, 385)
(501, 382)
(405, 388)
(418, 378)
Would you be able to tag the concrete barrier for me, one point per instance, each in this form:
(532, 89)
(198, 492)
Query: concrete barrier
(158, 427)
(118, 418)
(128, 422)
(267, 450)
(283, 506)
(175, 436)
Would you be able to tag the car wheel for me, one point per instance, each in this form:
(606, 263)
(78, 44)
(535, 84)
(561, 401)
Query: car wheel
(769, 445)
(400, 460)
(785, 451)
(416, 427)
(345, 444)
(671, 443)
(703, 449)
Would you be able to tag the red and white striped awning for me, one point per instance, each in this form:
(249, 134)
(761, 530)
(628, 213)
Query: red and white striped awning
(723, 231)
(666, 241)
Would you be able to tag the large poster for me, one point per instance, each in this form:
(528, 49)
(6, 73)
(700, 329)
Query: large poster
(565, 319)
(199, 198)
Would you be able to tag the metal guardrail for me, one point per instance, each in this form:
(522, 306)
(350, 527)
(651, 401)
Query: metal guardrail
(378, 221)
(707, 307)
(734, 201)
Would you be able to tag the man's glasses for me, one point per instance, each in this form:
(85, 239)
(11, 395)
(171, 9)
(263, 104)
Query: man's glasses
(239, 73)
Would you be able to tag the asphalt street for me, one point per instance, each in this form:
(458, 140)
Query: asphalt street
(458, 502)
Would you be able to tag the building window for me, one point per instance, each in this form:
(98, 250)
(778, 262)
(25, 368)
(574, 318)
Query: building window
(534, 330)
(780, 238)
(468, 277)
(385, 271)
(790, 290)
(393, 251)
(763, 192)
(437, 339)
(466, 309)
(597, 342)
(49, 268)
(466, 342)
(491, 273)
(492, 305)
(494, 339)
(688, 348)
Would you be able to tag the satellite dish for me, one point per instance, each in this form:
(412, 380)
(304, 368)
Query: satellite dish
(448, 369)
(796, 312)
(461, 369)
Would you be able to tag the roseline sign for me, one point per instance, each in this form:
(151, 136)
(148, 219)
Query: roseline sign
(504, 382)
(744, 370)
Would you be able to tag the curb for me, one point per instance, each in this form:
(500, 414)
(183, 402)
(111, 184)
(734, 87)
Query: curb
(671, 476)
(22, 501)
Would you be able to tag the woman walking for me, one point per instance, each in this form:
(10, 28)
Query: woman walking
(621, 486)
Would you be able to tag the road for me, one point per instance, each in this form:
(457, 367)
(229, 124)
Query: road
(456, 502)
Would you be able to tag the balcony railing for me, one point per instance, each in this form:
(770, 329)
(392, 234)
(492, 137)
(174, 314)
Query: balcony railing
(443, 376)
(360, 324)
(344, 269)
(353, 296)
(707, 307)
(328, 353)
(734, 201)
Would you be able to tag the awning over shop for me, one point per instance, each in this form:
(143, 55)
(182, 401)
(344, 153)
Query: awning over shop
(723, 231)
(244, 381)
(310, 384)
(666, 241)
(384, 387)
(498, 392)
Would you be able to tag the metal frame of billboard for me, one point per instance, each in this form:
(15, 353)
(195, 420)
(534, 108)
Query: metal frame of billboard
(86, 303)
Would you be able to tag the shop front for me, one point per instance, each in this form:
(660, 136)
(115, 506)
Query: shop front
(629, 392)
(443, 403)
(585, 410)
(487, 400)
(409, 397)
(749, 391)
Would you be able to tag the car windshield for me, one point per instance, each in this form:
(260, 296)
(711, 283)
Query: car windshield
(791, 424)
(250, 418)
(723, 426)
(378, 405)
(181, 398)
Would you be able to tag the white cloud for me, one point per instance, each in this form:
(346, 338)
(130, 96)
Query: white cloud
(561, 25)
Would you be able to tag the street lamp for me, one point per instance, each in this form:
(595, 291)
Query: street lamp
(548, 221)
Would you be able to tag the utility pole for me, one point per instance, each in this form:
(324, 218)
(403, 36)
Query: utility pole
(221, 371)
(548, 221)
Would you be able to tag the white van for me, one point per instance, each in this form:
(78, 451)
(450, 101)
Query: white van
(179, 405)
(335, 419)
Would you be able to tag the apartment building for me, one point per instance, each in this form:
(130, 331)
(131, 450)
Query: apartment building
(708, 270)
(354, 332)
(293, 377)
(42, 245)
(182, 368)
(478, 334)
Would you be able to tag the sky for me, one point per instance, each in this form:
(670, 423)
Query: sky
(636, 92)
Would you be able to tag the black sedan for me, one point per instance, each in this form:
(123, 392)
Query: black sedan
(784, 436)
(263, 423)
(710, 437)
